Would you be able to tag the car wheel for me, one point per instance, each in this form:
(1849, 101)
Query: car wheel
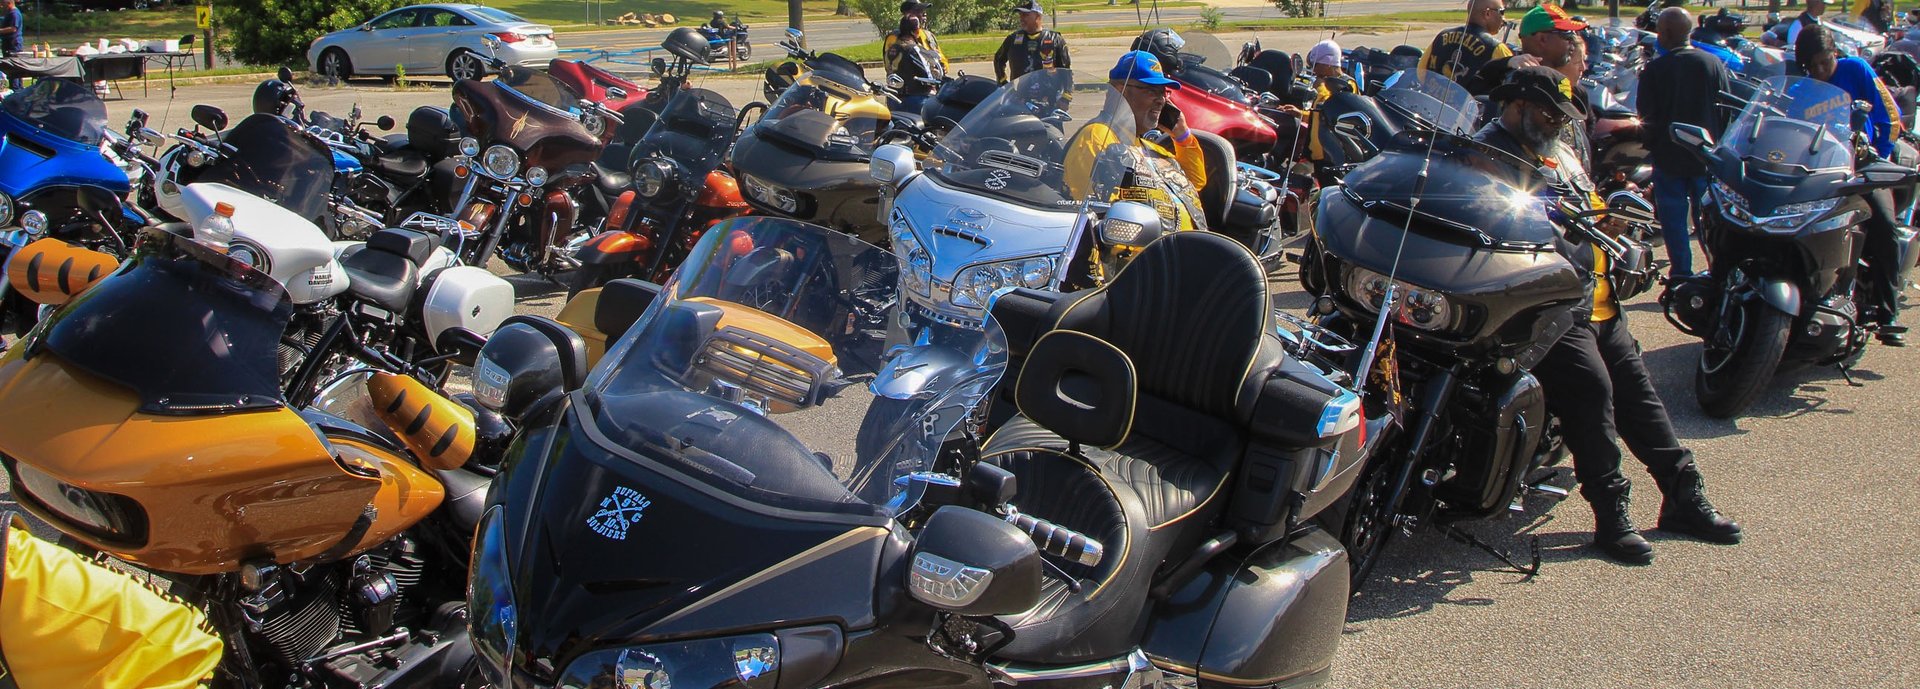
(335, 66)
(463, 64)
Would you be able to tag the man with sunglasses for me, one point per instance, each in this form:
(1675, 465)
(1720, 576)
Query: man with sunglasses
(1547, 37)
(1161, 133)
(1595, 381)
(1458, 53)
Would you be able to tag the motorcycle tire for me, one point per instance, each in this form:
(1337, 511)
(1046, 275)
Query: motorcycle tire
(590, 276)
(1363, 520)
(1728, 388)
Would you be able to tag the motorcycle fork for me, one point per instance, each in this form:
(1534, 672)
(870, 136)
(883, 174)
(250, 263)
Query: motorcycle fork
(1435, 395)
(499, 231)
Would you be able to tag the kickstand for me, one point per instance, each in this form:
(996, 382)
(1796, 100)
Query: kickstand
(1528, 571)
(1846, 373)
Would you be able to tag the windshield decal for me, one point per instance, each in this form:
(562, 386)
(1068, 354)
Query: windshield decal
(623, 508)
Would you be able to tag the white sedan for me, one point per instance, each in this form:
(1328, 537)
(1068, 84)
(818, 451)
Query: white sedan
(433, 39)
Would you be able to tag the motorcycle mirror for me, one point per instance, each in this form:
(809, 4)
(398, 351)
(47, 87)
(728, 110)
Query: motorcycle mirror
(891, 165)
(894, 81)
(1692, 136)
(1630, 201)
(659, 66)
(527, 361)
(139, 118)
(973, 563)
(285, 75)
(385, 123)
(795, 34)
(1353, 124)
(209, 116)
(1130, 224)
(462, 344)
(616, 93)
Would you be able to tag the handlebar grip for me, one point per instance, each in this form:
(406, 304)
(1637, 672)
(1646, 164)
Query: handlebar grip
(1058, 540)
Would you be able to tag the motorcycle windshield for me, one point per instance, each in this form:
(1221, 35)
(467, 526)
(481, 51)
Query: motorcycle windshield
(1013, 145)
(1470, 196)
(750, 372)
(1433, 100)
(694, 131)
(540, 87)
(1792, 125)
(825, 115)
(272, 159)
(65, 109)
(1205, 63)
(1207, 49)
(188, 329)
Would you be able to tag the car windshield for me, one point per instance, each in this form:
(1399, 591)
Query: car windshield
(272, 159)
(496, 15)
(540, 87)
(826, 115)
(752, 372)
(1014, 145)
(1793, 125)
(66, 109)
(190, 330)
(1433, 100)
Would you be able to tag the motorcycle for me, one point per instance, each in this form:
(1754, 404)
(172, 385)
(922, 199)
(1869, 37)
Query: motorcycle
(1782, 237)
(1451, 276)
(844, 569)
(728, 44)
(1217, 98)
(56, 184)
(806, 158)
(149, 425)
(675, 192)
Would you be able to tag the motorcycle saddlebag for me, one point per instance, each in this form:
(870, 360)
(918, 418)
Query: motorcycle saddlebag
(1273, 619)
(1303, 453)
(464, 297)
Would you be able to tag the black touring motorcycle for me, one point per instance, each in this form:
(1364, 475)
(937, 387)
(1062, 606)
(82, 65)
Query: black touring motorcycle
(694, 513)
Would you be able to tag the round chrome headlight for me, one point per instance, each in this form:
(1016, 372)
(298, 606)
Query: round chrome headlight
(469, 146)
(653, 178)
(6, 209)
(500, 161)
(595, 124)
(35, 223)
(537, 176)
(196, 158)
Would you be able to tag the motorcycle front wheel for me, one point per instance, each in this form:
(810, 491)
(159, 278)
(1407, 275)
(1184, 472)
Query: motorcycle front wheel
(1739, 358)
(1364, 518)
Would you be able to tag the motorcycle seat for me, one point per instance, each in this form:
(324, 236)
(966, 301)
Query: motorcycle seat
(1130, 433)
(611, 180)
(404, 164)
(387, 270)
(395, 142)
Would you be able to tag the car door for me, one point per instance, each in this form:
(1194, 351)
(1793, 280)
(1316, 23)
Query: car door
(385, 43)
(441, 30)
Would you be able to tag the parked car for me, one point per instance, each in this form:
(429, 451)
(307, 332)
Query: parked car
(433, 39)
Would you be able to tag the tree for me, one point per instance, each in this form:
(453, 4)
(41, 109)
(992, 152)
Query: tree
(946, 17)
(277, 32)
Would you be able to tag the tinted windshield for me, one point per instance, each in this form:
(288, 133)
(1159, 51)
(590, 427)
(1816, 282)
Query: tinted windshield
(1014, 146)
(826, 115)
(751, 371)
(188, 329)
(274, 160)
(65, 109)
(1433, 100)
(1793, 124)
(540, 87)
(1473, 196)
(694, 130)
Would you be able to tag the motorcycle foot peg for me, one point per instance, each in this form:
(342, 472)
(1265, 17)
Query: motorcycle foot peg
(1550, 490)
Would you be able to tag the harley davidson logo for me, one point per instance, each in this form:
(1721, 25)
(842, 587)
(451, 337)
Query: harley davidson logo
(618, 511)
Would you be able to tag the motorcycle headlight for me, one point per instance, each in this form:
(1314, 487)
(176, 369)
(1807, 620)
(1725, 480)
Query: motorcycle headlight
(469, 146)
(976, 285)
(537, 176)
(6, 209)
(1731, 202)
(594, 123)
(35, 223)
(917, 269)
(751, 661)
(492, 621)
(196, 158)
(1413, 305)
(1789, 217)
(500, 162)
(654, 178)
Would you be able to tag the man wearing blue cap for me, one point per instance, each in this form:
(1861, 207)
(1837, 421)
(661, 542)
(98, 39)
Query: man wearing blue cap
(1161, 131)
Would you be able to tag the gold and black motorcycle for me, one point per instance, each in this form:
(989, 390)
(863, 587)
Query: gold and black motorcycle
(328, 546)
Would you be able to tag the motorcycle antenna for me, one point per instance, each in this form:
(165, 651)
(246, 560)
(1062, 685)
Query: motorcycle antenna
(1388, 299)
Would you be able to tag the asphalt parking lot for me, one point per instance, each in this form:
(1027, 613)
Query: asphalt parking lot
(1820, 472)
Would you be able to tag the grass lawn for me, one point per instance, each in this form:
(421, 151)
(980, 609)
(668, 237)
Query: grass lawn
(688, 12)
(69, 31)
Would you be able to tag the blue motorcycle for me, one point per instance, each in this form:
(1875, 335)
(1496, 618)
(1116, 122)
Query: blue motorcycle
(56, 182)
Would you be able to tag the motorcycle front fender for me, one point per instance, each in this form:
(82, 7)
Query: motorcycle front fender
(1779, 294)
(924, 370)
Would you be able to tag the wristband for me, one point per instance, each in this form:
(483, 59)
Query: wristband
(1184, 137)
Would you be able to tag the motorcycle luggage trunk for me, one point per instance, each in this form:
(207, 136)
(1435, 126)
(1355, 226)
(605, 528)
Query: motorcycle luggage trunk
(1271, 618)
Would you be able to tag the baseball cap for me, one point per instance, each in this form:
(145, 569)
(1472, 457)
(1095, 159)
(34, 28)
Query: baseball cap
(1143, 67)
(1540, 85)
(1029, 7)
(1548, 18)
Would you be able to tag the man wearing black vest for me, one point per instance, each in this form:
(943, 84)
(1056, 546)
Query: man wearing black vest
(1031, 47)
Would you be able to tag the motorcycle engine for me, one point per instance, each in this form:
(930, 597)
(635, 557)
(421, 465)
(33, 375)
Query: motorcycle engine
(298, 615)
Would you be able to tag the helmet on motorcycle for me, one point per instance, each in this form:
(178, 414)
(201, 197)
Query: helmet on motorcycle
(1164, 44)
(719, 14)
(273, 96)
(688, 44)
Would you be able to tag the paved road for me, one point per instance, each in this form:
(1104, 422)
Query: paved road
(1820, 472)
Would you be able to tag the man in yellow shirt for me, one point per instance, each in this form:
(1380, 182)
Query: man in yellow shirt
(1595, 380)
(1162, 135)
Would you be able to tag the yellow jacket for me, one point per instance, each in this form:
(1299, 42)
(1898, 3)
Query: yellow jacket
(926, 39)
(1094, 138)
(67, 623)
(1322, 90)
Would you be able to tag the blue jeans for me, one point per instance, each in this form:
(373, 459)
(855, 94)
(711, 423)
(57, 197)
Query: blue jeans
(1675, 199)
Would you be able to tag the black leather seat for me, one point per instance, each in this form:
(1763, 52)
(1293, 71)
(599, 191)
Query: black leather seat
(1217, 196)
(387, 269)
(405, 164)
(611, 180)
(1138, 453)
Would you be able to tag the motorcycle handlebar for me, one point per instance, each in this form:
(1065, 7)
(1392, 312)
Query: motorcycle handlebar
(1058, 540)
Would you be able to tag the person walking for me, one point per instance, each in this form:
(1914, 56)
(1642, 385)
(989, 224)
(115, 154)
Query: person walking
(12, 36)
(1547, 37)
(1031, 47)
(1681, 87)
(1460, 52)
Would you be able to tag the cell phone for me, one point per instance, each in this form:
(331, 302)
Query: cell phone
(1169, 116)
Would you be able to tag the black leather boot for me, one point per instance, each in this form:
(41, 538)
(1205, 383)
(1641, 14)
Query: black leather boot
(1686, 510)
(1613, 530)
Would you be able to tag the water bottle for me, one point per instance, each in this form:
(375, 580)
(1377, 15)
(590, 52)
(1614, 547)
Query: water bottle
(217, 232)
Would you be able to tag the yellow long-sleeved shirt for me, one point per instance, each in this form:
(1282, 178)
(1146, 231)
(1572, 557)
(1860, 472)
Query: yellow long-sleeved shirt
(1094, 139)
